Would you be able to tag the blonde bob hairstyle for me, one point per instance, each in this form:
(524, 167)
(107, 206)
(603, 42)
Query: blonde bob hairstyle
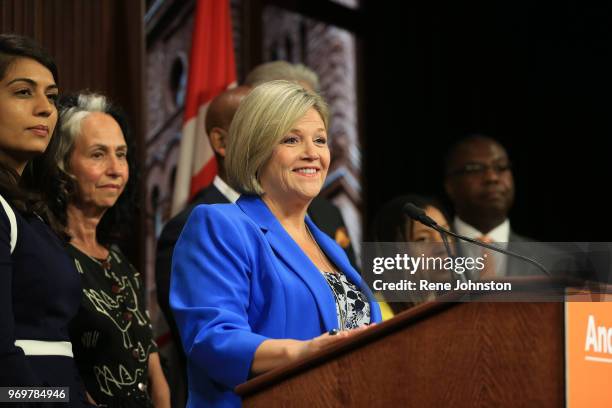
(265, 115)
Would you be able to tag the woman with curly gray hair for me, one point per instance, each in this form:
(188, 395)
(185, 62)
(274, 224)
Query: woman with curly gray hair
(111, 334)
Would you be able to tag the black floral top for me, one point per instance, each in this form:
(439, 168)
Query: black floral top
(112, 335)
(352, 306)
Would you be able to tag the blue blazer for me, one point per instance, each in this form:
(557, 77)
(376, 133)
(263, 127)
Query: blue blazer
(238, 279)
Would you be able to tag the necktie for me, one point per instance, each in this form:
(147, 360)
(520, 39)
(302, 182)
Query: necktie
(488, 272)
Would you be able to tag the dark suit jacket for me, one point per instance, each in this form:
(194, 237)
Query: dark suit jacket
(554, 260)
(518, 267)
(559, 261)
(329, 219)
(165, 247)
(514, 267)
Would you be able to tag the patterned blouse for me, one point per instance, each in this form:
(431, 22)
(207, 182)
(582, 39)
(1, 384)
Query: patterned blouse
(352, 306)
(112, 335)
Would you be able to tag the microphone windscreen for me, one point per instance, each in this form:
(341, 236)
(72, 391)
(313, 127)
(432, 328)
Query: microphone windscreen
(418, 214)
(413, 211)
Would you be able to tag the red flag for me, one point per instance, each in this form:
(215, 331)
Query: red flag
(212, 69)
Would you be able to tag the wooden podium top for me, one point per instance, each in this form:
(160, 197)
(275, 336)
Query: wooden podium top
(442, 353)
(368, 336)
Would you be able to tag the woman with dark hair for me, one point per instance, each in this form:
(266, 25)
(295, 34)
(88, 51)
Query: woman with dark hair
(39, 286)
(111, 334)
(391, 224)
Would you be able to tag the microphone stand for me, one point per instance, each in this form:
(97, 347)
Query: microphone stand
(419, 215)
(444, 236)
(489, 246)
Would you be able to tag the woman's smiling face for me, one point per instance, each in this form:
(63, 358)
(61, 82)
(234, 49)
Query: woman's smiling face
(297, 168)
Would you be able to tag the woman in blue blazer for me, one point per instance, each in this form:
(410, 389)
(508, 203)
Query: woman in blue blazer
(256, 285)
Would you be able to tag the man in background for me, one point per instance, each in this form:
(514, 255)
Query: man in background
(480, 185)
(218, 119)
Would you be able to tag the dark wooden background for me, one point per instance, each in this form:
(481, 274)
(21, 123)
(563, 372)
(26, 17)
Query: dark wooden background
(97, 45)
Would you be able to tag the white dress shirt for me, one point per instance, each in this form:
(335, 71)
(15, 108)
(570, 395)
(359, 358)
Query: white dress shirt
(499, 235)
(226, 190)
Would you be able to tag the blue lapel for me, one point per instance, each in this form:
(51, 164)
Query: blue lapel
(337, 256)
(291, 256)
(296, 260)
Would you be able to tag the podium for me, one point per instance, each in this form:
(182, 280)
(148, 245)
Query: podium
(479, 354)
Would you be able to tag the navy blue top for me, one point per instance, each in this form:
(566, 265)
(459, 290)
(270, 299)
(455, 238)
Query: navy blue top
(40, 291)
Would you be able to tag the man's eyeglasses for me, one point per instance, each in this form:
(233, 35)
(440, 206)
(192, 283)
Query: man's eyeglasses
(479, 169)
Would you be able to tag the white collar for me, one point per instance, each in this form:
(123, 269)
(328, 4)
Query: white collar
(501, 233)
(225, 189)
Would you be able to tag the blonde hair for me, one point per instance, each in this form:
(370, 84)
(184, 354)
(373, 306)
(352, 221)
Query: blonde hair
(266, 115)
(282, 70)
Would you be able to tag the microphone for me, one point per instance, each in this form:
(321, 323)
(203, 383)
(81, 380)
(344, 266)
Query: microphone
(419, 215)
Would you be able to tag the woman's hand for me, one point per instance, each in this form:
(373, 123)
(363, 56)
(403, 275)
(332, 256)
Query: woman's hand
(160, 392)
(274, 353)
(306, 348)
(90, 399)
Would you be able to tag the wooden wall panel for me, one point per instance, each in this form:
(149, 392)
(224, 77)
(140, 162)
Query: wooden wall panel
(97, 45)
